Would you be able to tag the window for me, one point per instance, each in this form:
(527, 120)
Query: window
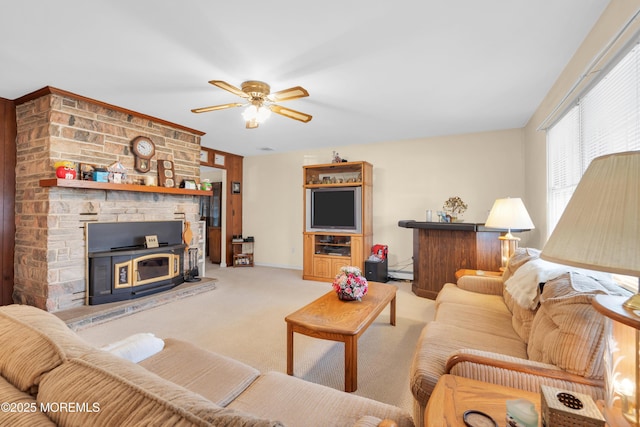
(605, 120)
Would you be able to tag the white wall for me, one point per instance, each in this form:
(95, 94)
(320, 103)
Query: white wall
(409, 177)
(613, 19)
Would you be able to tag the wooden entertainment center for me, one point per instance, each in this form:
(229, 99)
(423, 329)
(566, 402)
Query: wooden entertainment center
(325, 251)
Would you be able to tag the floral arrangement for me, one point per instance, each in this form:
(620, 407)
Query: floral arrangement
(350, 284)
(455, 206)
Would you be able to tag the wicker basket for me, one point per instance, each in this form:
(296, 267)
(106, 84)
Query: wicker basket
(562, 408)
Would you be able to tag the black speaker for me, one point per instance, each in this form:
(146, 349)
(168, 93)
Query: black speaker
(376, 271)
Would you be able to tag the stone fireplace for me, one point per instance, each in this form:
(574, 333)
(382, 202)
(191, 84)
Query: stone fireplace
(52, 125)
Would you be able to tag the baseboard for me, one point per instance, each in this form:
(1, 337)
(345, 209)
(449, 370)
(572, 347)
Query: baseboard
(400, 275)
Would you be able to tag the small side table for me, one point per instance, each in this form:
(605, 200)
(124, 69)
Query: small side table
(468, 272)
(242, 253)
(454, 395)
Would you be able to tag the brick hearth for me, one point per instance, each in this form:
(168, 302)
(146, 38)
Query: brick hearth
(50, 248)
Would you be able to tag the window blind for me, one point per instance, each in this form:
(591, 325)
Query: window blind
(605, 120)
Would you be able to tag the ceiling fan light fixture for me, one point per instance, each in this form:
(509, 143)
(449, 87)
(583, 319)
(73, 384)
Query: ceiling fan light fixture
(256, 113)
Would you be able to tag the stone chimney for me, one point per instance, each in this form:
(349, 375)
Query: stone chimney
(53, 125)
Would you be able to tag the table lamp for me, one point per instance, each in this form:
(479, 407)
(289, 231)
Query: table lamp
(508, 213)
(600, 230)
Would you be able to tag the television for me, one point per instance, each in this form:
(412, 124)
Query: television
(336, 209)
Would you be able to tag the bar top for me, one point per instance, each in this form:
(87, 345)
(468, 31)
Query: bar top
(460, 226)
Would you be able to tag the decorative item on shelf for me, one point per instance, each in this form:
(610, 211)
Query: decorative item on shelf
(350, 285)
(86, 171)
(590, 234)
(454, 207)
(166, 175)
(117, 173)
(508, 213)
(336, 158)
(205, 185)
(189, 184)
(100, 175)
(65, 169)
(143, 149)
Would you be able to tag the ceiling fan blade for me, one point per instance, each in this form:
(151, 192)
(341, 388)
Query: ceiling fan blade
(216, 107)
(292, 114)
(226, 86)
(288, 94)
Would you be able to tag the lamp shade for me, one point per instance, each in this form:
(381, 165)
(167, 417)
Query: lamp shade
(600, 227)
(509, 213)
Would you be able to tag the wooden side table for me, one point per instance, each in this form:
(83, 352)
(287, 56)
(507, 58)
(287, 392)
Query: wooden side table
(469, 272)
(454, 395)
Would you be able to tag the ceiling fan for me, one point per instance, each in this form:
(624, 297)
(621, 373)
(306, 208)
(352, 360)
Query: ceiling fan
(260, 102)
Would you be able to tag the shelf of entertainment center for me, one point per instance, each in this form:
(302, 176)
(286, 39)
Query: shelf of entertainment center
(339, 184)
(332, 245)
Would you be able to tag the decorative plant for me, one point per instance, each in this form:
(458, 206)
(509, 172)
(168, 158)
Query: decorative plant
(350, 284)
(454, 206)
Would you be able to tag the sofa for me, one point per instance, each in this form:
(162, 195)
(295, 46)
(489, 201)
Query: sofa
(50, 376)
(533, 325)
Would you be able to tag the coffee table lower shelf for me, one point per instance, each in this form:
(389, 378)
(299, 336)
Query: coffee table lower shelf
(330, 318)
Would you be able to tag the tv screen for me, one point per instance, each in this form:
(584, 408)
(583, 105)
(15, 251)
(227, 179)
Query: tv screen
(334, 208)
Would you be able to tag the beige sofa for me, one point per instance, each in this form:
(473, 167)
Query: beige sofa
(50, 376)
(505, 330)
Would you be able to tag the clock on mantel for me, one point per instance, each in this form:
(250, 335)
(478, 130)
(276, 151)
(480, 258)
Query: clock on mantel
(144, 149)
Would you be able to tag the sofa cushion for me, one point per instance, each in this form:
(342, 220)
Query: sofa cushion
(216, 377)
(451, 293)
(119, 392)
(300, 403)
(23, 410)
(49, 325)
(567, 331)
(478, 318)
(25, 352)
(522, 321)
(438, 341)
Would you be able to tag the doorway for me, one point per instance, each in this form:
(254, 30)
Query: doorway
(213, 212)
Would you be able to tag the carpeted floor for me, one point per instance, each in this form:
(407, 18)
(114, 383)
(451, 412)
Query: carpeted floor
(243, 317)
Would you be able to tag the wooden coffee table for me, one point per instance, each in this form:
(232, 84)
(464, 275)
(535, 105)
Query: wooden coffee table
(330, 318)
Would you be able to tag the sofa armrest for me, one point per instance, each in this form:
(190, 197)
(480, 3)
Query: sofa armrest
(519, 373)
(490, 285)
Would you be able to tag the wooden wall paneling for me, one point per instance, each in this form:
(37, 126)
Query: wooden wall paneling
(233, 209)
(8, 132)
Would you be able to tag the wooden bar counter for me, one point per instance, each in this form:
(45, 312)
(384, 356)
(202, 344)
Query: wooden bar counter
(440, 249)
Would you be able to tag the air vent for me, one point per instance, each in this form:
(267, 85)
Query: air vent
(267, 149)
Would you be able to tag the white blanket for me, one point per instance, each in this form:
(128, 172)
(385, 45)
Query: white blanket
(524, 284)
(137, 347)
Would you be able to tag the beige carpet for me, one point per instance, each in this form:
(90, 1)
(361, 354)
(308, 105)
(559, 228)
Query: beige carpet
(244, 318)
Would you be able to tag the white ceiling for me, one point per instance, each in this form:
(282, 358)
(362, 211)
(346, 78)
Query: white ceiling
(375, 70)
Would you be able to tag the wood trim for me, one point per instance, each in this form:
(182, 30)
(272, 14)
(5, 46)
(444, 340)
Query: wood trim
(93, 185)
(517, 367)
(212, 152)
(8, 132)
(49, 90)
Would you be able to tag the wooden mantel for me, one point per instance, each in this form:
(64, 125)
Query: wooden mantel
(93, 185)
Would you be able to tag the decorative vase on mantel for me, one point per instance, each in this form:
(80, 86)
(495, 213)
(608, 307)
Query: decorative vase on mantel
(350, 284)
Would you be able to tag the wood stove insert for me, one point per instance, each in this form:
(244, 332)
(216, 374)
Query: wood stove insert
(121, 267)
